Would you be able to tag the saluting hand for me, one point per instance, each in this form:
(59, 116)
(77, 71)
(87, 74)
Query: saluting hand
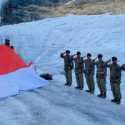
(109, 61)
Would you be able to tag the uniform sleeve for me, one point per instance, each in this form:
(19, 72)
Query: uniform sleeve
(62, 55)
(95, 62)
(108, 65)
(123, 67)
(73, 58)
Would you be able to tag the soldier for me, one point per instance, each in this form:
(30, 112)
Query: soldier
(68, 66)
(89, 73)
(79, 68)
(115, 80)
(7, 43)
(101, 74)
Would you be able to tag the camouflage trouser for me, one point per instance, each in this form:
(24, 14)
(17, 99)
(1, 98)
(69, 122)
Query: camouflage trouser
(90, 82)
(79, 79)
(68, 76)
(101, 85)
(115, 87)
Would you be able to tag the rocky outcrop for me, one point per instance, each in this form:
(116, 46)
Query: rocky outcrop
(86, 1)
(16, 11)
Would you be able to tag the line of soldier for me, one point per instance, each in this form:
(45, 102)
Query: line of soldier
(86, 65)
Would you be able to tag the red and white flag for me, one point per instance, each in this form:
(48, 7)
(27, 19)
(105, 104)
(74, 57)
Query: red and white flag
(15, 74)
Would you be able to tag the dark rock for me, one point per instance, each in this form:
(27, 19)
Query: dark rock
(16, 11)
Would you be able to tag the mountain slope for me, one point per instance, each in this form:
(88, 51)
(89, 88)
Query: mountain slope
(42, 42)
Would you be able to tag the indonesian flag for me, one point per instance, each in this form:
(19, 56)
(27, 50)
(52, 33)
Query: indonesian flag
(15, 74)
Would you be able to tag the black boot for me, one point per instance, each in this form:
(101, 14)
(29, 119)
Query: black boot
(113, 100)
(69, 84)
(104, 95)
(77, 87)
(88, 91)
(66, 84)
(99, 95)
(81, 88)
(118, 101)
(92, 92)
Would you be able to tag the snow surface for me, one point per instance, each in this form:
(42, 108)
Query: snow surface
(57, 105)
(42, 42)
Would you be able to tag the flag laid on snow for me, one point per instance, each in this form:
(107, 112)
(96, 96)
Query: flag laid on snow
(15, 74)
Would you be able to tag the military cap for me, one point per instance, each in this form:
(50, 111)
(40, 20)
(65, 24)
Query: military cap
(78, 53)
(114, 58)
(67, 51)
(100, 55)
(89, 55)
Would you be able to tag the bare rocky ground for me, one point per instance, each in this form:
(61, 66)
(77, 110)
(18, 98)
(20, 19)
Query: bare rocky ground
(117, 7)
(36, 12)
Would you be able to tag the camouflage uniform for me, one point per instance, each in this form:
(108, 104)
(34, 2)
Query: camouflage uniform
(101, 77)
(68, 66)
(115, 80)
(89, 74)
(79, 67)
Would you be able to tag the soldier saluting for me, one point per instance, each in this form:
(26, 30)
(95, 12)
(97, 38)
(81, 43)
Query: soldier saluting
(79, 68)
(68, 66)
(101, 74)
(89, 73)
(115, 79)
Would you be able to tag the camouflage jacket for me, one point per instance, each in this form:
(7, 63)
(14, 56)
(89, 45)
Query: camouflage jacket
(68, 62)
(89, 66)
(79, 65)
(101, 71)
(115, 73)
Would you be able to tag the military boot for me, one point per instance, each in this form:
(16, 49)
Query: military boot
(81, 88)
(118, 101)
(66, 84)
(113, 100)
(88, 91)
(77, 87)
(104, 95)
(99, 95)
